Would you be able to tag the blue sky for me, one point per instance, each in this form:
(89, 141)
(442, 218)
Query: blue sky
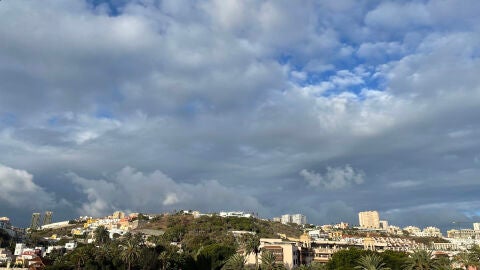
(325, 108)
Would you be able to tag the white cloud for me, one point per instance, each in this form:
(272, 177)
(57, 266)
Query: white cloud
(404, 184)
(394, 16)
(18, 189)
(132, 190)
(334, 178)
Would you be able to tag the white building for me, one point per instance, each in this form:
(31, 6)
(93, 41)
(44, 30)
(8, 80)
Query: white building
(4, 223)
(19, 248)
(235, 214)
(71, 246)
(287, 218)
(295, 218)
(431, 232)
(412, 230)
(56, 225)
(395, 230)
(112, 232)
(476, 226)
(299, 219)
(369, 220)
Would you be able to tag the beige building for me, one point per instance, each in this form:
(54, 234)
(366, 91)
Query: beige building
(286, 252)
(369, 220)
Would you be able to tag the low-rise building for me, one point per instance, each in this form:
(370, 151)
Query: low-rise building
(412, 230)
(71, 245)
(463, 234)
(5, 256)
(287, 253)
(236, 214)
(431, 232)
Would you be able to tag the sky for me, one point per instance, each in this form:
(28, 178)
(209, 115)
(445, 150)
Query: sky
(325, 108)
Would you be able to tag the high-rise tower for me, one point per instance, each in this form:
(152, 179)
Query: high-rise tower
(35, 224)
(47, 218)
(369, 220)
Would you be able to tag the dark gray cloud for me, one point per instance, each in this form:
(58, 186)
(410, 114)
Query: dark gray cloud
(242, 105)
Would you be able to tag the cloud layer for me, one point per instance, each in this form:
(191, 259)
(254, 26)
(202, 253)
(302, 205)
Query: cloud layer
(334, 178)
(245, 103)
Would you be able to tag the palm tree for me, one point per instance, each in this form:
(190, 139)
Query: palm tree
(163, 257)
(421, 260)
(269, 262)
(130, 252)
(466, 259)
(235, 262)
(102, 236)
(371, 262)
(252, 245)
(444, 263)
(80, 256)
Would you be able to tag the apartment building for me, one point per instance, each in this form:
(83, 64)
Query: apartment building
(369, 220)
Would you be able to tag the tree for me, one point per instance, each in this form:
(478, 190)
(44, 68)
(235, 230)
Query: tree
(130, 250)
(269, 262)
(466, 258)
(80, 256)
(371, 262)
(235, 262)
(102, 236)
(163, 258)
(213, 256)
(252, 245)
(421, 260)
(443, 263)
(345, 259)
(394, 260)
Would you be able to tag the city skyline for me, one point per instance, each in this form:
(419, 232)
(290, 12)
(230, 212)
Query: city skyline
(325, 108)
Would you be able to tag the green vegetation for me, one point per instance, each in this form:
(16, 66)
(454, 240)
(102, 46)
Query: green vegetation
(206, 243)
(203, 243)
(352, 258)
(6, 241)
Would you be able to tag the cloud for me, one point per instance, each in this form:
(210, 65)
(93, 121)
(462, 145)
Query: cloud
(132, 190)
(18, 189)
(404, 184)
(334, 178)
(247, 93)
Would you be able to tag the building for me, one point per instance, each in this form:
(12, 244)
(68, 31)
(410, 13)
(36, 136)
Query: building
(394, 230)
(236, 214)
(5, 256)
(384, 225)
(412, 230)
(19, 249)
(431, 232)
(56, 225)
(5, 223)
(476, 226)
(286, 252)
(299, 219)
(71, 245)
(369, 220)
(295, 218)
(285, 219)
(463, 234)
(341, 225)
(47, 218)
(118, 215)
(35, 224)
